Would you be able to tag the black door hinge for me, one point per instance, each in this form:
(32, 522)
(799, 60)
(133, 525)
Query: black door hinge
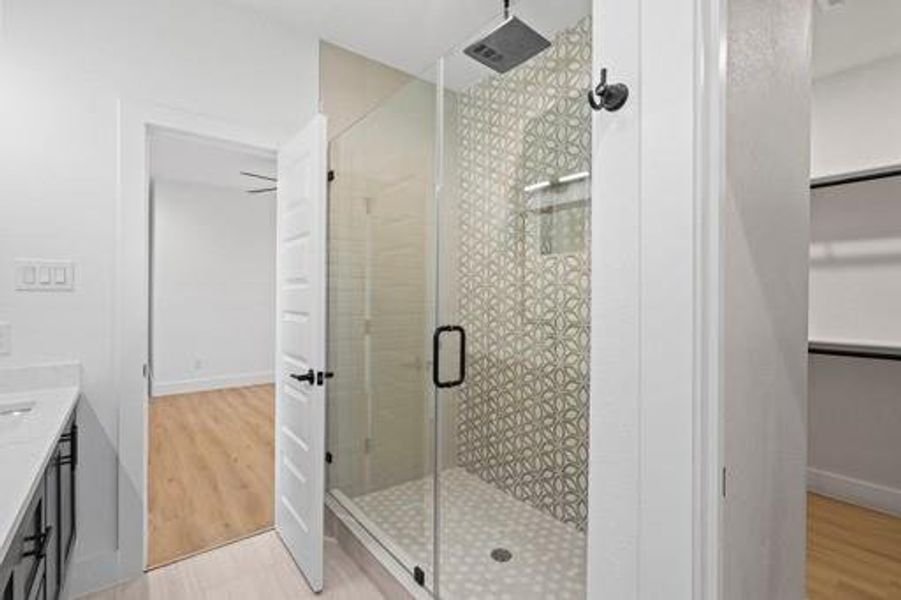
(328, 457)
(724, 482)
(419, 576)
(331, 175)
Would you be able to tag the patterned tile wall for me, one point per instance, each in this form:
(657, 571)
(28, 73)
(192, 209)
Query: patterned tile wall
(524, 274)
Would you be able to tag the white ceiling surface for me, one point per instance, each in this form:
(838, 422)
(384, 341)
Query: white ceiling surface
(855, 33)
(411, 35)
(175, 157)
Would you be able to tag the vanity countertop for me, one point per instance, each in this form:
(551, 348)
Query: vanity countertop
(35, 404)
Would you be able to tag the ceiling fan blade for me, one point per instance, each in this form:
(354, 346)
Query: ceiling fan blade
(258, 176)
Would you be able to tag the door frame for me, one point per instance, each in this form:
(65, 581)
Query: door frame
(131, 335)
(655, 420)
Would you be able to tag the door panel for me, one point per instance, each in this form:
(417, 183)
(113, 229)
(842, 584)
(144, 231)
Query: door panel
(300, 346)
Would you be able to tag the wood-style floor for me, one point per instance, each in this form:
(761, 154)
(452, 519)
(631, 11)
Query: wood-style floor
(852, 553)
(257, 568)
(211, 470)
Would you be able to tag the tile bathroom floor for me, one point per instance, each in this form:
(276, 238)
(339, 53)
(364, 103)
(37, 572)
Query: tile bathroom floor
(547, 557)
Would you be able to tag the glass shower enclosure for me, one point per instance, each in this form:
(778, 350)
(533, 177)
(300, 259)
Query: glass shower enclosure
(459, 281)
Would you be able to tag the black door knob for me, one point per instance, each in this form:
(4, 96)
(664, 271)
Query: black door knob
(309, 376)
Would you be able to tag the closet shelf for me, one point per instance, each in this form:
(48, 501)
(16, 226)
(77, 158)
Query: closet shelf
(855, 350)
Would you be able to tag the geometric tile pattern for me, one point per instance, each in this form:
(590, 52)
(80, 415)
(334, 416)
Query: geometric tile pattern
(524, 274)
(548, 557)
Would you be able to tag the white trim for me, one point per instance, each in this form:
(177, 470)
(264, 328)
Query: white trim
(160, 389)
(856, 491)
(131, 330)
(710, 191)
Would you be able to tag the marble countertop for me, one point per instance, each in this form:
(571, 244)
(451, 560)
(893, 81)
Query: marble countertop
(35, 404)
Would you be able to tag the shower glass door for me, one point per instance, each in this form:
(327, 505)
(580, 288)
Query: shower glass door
(513, 257)
(459, 279)
(381, 312)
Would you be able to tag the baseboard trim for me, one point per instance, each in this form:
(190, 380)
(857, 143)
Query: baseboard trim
(219, 382)
(856, 491)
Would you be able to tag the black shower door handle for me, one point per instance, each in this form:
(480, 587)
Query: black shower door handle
(436, 356)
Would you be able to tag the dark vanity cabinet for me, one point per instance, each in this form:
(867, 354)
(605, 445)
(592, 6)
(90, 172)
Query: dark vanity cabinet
(34, 567)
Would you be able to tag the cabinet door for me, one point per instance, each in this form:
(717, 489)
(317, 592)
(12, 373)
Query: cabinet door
(28, 550)
(51, 514)
(68, 465)
(7, 580)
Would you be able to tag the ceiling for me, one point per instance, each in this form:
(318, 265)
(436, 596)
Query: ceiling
(188, 159)
(854, 33)
(411, 35)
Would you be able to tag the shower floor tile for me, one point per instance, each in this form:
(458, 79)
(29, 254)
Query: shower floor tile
(547, 556)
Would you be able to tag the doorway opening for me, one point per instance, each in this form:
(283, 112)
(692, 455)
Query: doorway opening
(210, 458)
(854, 451)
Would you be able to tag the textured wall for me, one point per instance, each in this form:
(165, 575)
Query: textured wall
(766, 234)
(524, 274)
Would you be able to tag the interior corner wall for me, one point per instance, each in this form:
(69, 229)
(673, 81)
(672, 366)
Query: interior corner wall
(856, 119)
(765, 239)
(63, 69)
(352, 86)
(855, 288)
(213, 287)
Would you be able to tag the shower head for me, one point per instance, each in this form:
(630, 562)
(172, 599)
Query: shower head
(508, 45)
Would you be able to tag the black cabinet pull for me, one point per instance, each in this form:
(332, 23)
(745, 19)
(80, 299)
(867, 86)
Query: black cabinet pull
(309, 377)
(436, 356)
(41, 540)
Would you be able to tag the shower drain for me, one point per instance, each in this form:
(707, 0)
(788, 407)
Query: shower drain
(501, 554)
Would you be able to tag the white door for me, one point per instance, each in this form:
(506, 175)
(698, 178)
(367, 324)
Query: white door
(300, 348)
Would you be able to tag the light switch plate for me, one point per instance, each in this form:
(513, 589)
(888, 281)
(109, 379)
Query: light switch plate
(6, 341)
(39, 275)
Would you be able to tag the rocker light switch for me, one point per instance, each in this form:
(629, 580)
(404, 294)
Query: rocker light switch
(39, 275)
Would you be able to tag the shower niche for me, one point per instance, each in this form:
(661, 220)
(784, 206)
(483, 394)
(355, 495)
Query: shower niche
(466, 203)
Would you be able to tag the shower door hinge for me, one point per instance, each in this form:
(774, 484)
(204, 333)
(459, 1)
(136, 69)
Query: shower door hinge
(328, 457)
(331, 175)
(724, 482)
(419, 575)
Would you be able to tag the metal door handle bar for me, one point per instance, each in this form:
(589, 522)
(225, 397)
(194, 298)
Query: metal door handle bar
(436, 356)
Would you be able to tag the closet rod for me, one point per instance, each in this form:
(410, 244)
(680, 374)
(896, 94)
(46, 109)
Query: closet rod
(859, 178)
(855, 350)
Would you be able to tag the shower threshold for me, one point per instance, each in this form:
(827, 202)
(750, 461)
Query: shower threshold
(543, 557)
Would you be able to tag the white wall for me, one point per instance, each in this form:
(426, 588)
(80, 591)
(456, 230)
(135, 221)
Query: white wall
(856, 119)
(63, 66)
(855, 262)
(213, 287)
(855, 417)
(855, 291)
(765, 239)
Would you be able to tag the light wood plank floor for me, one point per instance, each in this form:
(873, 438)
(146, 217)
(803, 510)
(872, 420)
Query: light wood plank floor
(257, 568)
(211, 470)
(852, 553)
